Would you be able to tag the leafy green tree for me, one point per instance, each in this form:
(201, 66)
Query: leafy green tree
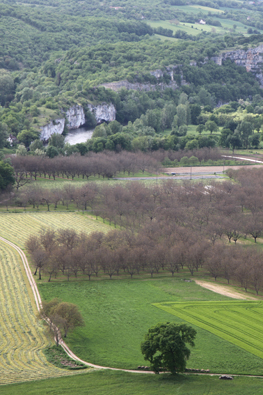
(223, 140)
(6, 87)
(27, 136)
(3, 134)
(115, 127)
(211, 126)
(234, 141)
(164, 346)
(52, 151)
(192, 144)
(195, 112)
(206, 141)
(6, 175)
(181, 111)
(168, 114)
(37, 144)
(82, 148)
(57, 140)
(200, 128)
(63, 316)
(100, 131)
(204, 97)
(254, 140)
(21, 150)
(245, 129)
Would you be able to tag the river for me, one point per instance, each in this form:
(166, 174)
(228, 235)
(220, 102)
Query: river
(80, 135)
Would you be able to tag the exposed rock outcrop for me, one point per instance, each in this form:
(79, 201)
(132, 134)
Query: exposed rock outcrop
(118, 85)
(103, 112)
(56, 126)
(75, 117)
(158, 74)
(252, 60)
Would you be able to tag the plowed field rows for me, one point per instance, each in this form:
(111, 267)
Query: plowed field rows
(18, 227)
(22, 337)
(239, 322)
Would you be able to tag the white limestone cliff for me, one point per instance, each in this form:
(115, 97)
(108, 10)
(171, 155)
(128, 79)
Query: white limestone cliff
(75, 117)
(103, 112)
(56, 126)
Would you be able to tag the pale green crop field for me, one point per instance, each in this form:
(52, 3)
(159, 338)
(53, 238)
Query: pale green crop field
(238, 322)
(22, 336)
(18, 227)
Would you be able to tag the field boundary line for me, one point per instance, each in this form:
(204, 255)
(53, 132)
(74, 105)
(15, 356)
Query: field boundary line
(38, 301)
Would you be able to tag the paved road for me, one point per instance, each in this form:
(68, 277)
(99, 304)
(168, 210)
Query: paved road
(196, 176)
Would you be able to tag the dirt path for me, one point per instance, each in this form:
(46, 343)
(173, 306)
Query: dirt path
(224, 290)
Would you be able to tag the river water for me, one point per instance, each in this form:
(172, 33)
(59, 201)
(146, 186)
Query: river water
(80, 135)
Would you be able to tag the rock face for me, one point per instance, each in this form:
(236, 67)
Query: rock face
(251, 59)
(103, 112)
(75, 117)
(56, 126)
(158, 74)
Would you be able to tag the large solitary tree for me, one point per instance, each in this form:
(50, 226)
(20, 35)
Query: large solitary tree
(164, 346)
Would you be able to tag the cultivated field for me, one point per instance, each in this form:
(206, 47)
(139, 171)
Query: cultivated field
(18, 227)
(22, 337)
(119, 312)
(239, 322)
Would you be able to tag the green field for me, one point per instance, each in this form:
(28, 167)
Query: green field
(118, 313)
(239, 322)
(196, 9)
(119, 383)
(195, 28)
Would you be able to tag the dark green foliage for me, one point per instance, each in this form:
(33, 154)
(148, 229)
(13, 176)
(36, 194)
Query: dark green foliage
(6, 175)
(51, 151)
(165, 346)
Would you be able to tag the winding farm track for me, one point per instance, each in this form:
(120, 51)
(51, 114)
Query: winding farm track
(19, 363)
(22, 338)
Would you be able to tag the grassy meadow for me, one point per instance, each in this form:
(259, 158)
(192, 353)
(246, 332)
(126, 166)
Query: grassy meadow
(118, 313)
(120, 383)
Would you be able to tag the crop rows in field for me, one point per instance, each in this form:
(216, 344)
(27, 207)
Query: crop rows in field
(239, 322)
(22, 337)
(18, 227)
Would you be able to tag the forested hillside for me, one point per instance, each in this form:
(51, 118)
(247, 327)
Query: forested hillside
(59, 54)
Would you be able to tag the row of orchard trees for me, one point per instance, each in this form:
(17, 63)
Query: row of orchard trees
(218, 210)
(123, 252)
(105, 164)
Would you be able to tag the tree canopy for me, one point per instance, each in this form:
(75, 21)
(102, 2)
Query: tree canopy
(6, 175)
(164, 346)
